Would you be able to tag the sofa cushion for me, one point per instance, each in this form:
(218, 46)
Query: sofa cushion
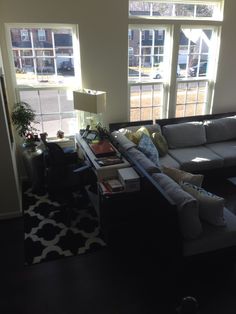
(134, 133)
(211, 206)
(195, 159)
(136, 136)
(168, 161)
(188, 214)
(222, 129)
(213, 238)
(160, 143)
(226, 150)
(180, 175)
(150, 127)
(142, 159)
(122, 141)
(148, 148)
(185, 134)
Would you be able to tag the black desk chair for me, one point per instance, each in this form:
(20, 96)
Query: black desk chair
(64, 171)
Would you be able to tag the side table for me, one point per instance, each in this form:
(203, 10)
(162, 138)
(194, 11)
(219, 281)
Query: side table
(118, 212)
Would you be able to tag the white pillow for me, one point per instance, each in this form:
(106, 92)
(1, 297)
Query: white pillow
(211, 207)
(180, 175)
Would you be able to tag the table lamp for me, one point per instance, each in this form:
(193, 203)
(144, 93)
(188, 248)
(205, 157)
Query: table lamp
(91, 101)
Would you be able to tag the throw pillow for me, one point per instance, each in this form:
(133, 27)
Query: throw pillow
(148, 148)
(180, 175)
(211, 207)
(160, 143)
(136, 136)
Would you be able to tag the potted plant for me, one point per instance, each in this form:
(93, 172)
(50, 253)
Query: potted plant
(22, 118)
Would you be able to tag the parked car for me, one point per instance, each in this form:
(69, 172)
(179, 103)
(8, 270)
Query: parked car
(66, 66)
(158, 74)
(202, 69)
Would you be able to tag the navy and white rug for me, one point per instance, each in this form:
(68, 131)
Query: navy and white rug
(57, 227)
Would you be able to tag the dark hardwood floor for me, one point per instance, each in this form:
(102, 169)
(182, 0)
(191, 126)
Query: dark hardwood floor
(110, 281)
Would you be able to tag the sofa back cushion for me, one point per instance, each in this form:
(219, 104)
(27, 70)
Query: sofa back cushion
(143, 161)
(218, 130)
(122, 141)
(150, 127)
(185, 134)
(188, 213)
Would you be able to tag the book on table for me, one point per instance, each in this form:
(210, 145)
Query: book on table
(103, 148)
(113, 185)
(109, 160)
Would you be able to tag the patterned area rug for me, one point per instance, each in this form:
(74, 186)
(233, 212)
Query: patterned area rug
(58, 226)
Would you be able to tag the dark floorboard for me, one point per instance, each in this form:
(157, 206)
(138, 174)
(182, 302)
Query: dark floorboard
(108, 281)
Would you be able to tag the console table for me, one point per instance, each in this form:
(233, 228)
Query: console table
(114, 209)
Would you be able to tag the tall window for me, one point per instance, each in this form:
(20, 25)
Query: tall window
(172, 69)
(46, 71)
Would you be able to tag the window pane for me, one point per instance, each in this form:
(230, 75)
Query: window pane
(51, 124)
(146, 96)
(156, 113)
(175, 9)
(157, 95)
(191, 98)
(31, 98)
(146, 54)
(146, 101)
(45, 65)
(134, 115)
(68, 123)
(194, 49)
(49, 51)
(135, 96)
(49, 101)
(66, 101)
(146, 114)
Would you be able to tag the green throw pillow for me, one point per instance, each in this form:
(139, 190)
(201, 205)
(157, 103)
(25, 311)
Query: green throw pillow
(136, 136)
(160, 143)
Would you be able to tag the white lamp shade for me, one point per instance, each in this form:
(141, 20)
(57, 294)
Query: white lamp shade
(90, 101)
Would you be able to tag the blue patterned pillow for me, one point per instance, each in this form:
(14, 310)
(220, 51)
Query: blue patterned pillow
(147, 147)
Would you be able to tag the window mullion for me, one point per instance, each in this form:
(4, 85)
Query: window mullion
(174, 62)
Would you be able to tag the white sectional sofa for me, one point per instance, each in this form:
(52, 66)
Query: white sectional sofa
(196, 145)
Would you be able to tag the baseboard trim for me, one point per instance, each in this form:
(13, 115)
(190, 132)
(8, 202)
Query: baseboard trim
(10, 215)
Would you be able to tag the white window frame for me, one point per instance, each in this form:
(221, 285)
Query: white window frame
(218, 17)
(77, 69)
(170, 83)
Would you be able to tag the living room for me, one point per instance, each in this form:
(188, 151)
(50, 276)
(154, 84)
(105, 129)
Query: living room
(103, 28)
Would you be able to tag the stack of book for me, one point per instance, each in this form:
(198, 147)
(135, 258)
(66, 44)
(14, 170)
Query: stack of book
(108, 161)
(102, 149)
(113, 185)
